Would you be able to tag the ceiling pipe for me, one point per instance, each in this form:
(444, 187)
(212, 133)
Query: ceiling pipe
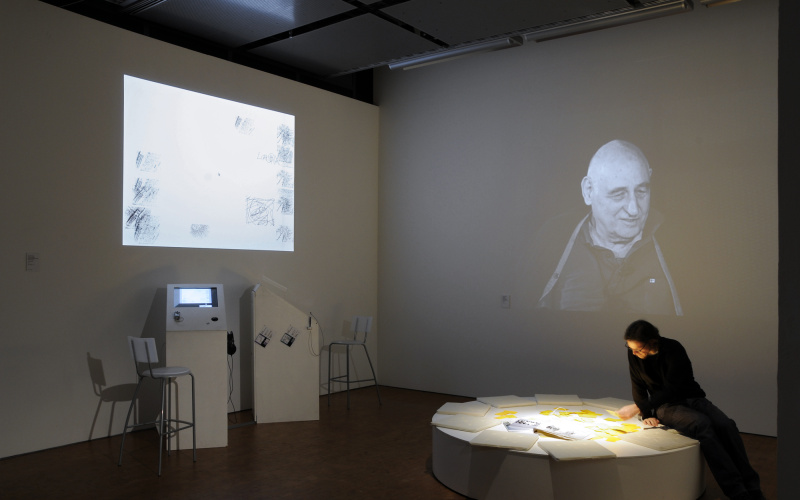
(609, 20)
(558, 30)
(450, 54)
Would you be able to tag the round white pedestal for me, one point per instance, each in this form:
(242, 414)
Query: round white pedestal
(498, 473)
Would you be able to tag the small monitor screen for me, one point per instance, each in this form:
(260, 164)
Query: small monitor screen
(195, 297)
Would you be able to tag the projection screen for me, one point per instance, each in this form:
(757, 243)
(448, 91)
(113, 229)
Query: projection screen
(205, 172)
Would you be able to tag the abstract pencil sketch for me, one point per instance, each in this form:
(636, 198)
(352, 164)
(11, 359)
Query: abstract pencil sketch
(194, 162)
(285, 155)
(285, 144)
(199, 230)
(285, 136)
(147, 162)
(286, 203)
(260, 211)
(285, 179)
(244, 126)
(145, 191)
(284, 234)
(145, 225)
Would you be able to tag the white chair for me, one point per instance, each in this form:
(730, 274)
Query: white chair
(360, 324)
(143, 350)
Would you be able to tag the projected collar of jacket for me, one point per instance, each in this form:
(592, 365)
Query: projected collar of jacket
(590, 278)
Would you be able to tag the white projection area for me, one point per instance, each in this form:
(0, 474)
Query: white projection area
(205, 172)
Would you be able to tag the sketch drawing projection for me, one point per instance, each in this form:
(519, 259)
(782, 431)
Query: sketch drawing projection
(145, 226)
(285, 144)
(284, 233)
(260, 212)
(286, 202)
(285, 179)
(147, 162)
(193, 163)
(199, 230)
(244, 125)
(145, 191)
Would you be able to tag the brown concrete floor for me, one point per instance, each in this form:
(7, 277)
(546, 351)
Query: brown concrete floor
(367, 452)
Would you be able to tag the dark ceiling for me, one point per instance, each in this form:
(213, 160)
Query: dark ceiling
(333, 44)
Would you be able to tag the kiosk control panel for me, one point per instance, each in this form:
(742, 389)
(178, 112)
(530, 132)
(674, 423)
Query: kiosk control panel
(193, 307)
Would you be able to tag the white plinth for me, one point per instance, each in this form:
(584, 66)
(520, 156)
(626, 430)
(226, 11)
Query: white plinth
(498, 473)
(285, 377)
(203, 352)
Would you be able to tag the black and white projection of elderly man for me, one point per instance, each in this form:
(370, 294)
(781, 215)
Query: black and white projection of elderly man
(612, 261)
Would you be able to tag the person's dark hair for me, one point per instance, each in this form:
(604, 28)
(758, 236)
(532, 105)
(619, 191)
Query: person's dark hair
(642, 331)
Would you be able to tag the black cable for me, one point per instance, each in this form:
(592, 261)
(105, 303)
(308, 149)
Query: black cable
(321, 333)
(230, 388)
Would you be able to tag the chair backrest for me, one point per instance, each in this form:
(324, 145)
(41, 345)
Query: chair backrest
(361, 324)
(143, 350)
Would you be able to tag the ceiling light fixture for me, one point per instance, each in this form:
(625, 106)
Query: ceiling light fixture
(543, 33)
(609, 20)
(450, 54)
(714, 3)
(139, 6)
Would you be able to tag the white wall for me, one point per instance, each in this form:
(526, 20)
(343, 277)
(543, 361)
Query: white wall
(478, 152)
(465, 154)
(61, 122)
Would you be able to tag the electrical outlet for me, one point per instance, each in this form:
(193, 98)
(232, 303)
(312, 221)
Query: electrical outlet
(505, 301)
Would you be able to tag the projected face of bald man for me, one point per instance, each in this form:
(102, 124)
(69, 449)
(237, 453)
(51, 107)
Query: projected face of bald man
(617, 187)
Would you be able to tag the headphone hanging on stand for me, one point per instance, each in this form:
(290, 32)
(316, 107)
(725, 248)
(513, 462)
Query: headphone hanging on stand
(231, 344)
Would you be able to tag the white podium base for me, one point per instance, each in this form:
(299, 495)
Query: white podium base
(204, 353)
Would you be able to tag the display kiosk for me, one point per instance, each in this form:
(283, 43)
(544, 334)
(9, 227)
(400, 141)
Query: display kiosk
(197, 339)
(285, 360)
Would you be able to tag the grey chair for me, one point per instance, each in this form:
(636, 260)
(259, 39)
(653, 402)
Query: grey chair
(143, 351)
(360, 324)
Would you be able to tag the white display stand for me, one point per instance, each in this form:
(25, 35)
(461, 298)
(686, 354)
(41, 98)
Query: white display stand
(200, 344)
(285, 377)
(486, 473)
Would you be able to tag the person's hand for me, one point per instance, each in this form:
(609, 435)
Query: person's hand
(651, 422)
(627, 412)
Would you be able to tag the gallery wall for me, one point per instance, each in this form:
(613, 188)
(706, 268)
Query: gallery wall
(476, 155)
(65, 368)
(480, 153)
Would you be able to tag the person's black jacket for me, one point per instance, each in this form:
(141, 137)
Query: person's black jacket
(662, 378)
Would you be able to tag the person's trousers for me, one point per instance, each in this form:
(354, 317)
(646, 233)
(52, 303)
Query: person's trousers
(719, 439)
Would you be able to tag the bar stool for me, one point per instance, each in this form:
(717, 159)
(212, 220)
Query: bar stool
(143, 350)
(360, 324)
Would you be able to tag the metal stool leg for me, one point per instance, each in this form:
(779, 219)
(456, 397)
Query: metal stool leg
(127, 419)
(337, 379)
(144, 351)
(168, 426)
(347, 360)
(194, 434)
(330, 350)
(161, 427)
(373, 374)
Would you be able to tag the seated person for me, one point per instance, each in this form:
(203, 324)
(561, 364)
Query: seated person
(665, 392)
